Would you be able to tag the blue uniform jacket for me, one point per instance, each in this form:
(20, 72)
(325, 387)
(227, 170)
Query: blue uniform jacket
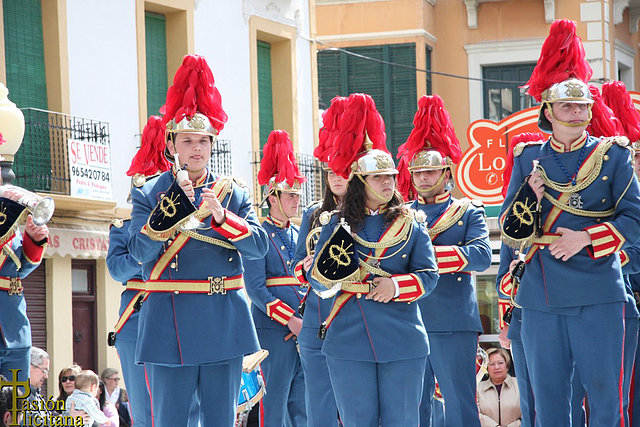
(592, 276)
(15, 329)
(630, 261)
(273, 306)
(365, 330)
(123, 267)
(195, 329)
(453, 305)
(316, 308)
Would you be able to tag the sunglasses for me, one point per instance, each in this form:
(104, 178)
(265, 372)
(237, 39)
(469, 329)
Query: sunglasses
(69, 378)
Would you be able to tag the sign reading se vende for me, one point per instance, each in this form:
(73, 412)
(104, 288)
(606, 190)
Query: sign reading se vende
(89, 169)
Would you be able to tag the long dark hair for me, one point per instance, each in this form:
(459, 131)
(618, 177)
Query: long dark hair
(103, 394)
(353, 206)
(329, 203)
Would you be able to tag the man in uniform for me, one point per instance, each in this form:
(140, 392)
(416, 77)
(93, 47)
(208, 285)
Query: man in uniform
(275, 292)
(461, 242)
(148, 162)
(588, 202)
(195, 326)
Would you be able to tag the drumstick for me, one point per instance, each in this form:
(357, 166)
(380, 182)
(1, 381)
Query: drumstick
(288, 336)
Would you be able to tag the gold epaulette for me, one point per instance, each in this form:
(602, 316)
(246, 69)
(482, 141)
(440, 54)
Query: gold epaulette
(118, 223)
(519, 148)
(419, 216)
(451, 216)
(240, 182)
(325, 217)
(622, 141)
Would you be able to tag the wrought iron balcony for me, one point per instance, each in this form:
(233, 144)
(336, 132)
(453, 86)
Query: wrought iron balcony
(42, 162)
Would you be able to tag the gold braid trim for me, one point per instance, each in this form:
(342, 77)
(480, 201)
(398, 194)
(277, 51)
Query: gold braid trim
(210, 240)
(390, 241)
(394, 253)
(585, 181)
(7, 250)
(374, 270)
(450, 217)
(579, 212)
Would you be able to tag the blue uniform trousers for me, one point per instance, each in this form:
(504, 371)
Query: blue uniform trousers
(320, 401)
(283, 405)
(553, 342)
(635, 404)
(437, 413)
(371, 394)
(453, 361)
(14, 358)
(578, 393)
(216, 385)
(527, 403)
(136, 382)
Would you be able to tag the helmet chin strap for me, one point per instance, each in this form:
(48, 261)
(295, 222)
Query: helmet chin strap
(433, 187)
(379, 196)
(280, 206)
(571, 125)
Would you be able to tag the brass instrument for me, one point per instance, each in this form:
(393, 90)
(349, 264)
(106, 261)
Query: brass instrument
(41, 207)
(312, 239)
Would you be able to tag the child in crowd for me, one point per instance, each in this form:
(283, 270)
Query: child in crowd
(84, 397)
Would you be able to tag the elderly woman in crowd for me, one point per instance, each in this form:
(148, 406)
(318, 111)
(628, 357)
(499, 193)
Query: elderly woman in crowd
(498, 396)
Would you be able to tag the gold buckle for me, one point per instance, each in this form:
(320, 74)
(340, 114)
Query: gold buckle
(216, 285)
(15, 286)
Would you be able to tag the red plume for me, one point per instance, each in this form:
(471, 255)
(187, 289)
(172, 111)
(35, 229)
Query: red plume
(330, 119)
(615, 95)
(359, 119)
(562, 57)
(522, 137)
(432, 128)
(603, 121)
(2, 140)
(150, 157)
(278, 160)
(194, 91)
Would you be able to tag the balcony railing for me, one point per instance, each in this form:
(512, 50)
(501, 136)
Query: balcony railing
(220, 162)
(42, 162)
(312, 189)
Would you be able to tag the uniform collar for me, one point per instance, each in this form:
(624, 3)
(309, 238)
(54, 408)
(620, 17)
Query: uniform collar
(440, 198)
(199, 182)
(575, 145)
(382, 209)
(277, 222)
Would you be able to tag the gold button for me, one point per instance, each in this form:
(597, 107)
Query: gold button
(597, 219)
(359, 295)
(176, 292)
(459, 279)
(282, 248)
(230, 259)
(604, 178)
(459, 243)
(273, 234)
(173, 265)
(604, 200)
(606, 157)
(404, 255)
(460, 223)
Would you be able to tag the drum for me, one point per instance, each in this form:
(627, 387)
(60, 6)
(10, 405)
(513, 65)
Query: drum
(251, 390)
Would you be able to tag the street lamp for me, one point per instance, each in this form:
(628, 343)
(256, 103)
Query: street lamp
(12, 130)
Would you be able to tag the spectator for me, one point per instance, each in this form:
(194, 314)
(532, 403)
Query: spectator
(6, 405)
(498, 396)
(117, 395)
(107, 407)
(84, 397)
(67, 382)
(38, 374)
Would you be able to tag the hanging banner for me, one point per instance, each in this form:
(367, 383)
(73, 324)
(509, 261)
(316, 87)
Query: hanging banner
(89, 169)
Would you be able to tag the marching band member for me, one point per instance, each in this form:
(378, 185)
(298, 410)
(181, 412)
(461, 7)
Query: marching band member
(460, 238)
(274, 291)
(509, 315)
(19, 255)
(189, 233)
(320, 400)
(376, 346)
(615, 95)
(587, 202)
(148, 162)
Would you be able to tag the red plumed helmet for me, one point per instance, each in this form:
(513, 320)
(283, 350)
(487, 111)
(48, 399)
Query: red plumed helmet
(432, 144)
(150, 157)
(603, 120)
(615, 95)
(359, 121)
(326, 138)
(522, 137)
(194, 92)
(279, 162)
(562, 57)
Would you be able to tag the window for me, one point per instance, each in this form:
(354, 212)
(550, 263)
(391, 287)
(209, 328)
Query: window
(265, 93)
(156, 57)
(428, 67)
(393, 88)
(504, 98)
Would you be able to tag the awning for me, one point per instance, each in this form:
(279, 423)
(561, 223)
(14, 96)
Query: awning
(78, 240)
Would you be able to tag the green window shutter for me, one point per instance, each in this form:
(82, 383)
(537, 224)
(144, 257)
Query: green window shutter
(26, 81)
(403, 94)
(265, 93)
(329, 76)
(156, 58)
